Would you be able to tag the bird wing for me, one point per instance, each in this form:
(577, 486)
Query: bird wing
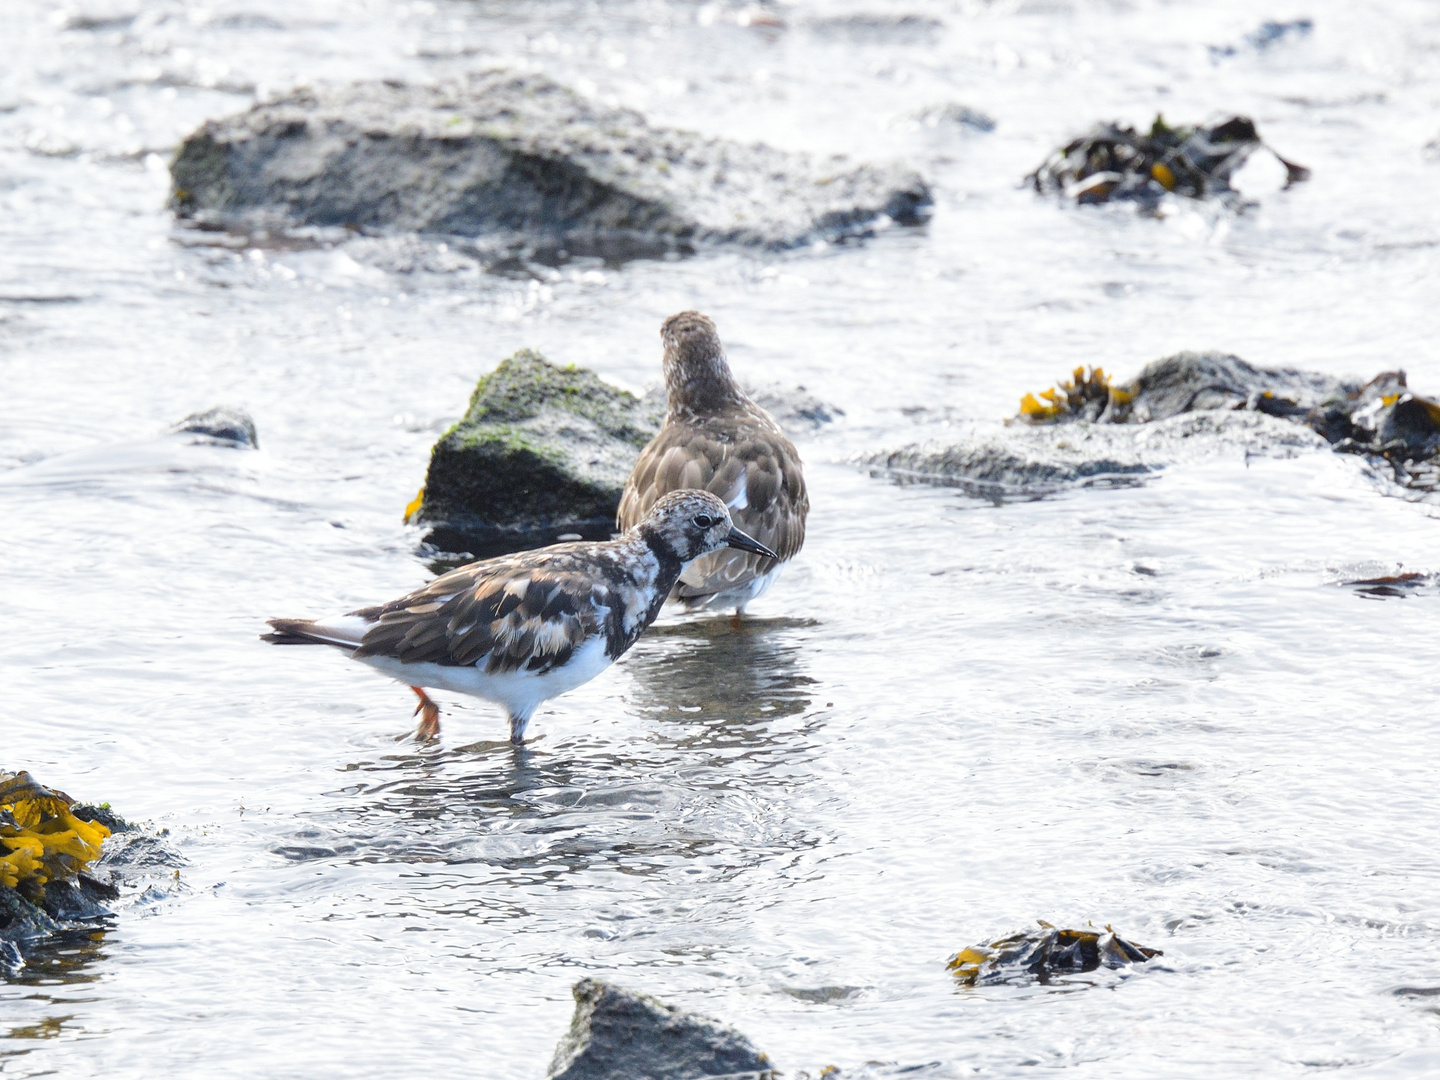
(756, 472)
(510, 614)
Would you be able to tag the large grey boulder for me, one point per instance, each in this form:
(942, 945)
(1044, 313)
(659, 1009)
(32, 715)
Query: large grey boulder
(517, 155)
(621, 1035)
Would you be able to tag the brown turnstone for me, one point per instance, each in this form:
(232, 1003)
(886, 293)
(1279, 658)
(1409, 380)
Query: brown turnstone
(714, 437)
(521, 629)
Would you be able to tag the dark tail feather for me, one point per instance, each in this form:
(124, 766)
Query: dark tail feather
(293, 632)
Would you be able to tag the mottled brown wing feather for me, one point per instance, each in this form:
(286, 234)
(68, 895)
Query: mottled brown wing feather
(508, 613)
(718, 453)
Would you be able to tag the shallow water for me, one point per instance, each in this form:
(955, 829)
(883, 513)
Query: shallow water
(1157, 707)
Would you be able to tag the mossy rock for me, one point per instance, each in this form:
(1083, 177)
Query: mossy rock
(542, 451)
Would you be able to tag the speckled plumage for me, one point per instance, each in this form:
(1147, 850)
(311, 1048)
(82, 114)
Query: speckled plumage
(716, 438)
(523, 628)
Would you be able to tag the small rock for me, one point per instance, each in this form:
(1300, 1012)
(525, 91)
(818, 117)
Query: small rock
(223, 424)
(620, 1035)
(518, 157)
(1113, 162)
(953, 115)
(1040, 955)
(881, 27)
(1267, 34)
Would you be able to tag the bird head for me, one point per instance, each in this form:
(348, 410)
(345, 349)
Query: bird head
(689, 524)
(697, 375)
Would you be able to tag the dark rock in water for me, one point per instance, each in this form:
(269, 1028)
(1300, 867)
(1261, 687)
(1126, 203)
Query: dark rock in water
(620, 1035)
(1114, 162)
(519, 158)
(1041, 955)
(542, 451)
(1193, 382)
(222, 424)
(1267, 34)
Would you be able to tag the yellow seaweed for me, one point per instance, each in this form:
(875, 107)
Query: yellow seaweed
(42, 839)
(413, 507)
(1071, 396)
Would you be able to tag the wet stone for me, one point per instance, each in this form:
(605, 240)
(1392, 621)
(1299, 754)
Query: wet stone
(621, 1035)
(519, 158)
(223, 424)
(1114, 162)
(1043, 954)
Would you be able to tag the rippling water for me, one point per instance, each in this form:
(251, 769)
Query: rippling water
(1158, 707)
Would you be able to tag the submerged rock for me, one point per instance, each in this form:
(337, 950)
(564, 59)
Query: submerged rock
(621, 1035)
(1268, 34)
(543, 453)
(518, 156)
(1090, 430)
(1115, 162)
(223, 424)
(1040, 955)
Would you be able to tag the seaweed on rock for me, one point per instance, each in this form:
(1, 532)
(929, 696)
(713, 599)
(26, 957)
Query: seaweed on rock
(1040, 955)
(1113, 162)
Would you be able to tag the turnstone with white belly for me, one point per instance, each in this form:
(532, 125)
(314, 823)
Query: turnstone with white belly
(716, 438)
(521, 629)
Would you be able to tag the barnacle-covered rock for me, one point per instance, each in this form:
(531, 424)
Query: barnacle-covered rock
(1040, 955)
(1111, 161)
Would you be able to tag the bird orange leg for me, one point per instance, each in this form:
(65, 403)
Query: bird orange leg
(430, 721)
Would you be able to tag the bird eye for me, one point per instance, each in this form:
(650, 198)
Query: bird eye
(704, 520)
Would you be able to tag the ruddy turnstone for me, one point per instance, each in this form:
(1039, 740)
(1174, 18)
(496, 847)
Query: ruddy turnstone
(521, 629)
(716, 438)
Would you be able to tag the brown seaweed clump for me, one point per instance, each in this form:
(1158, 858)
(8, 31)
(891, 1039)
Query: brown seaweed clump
(1114, 162)
(1040, 954)
(41, 840)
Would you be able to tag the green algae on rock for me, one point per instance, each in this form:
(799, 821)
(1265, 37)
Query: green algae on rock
(618, 1034)
(542, 452)
(517, 157)
(1040, 955)
(1112, 162)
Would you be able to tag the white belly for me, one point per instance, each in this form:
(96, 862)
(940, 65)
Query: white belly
(521, 692)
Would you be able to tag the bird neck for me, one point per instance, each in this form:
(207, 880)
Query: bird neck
(698, 382)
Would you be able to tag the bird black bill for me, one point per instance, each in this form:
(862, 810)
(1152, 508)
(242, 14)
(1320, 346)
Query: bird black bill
(738, 539)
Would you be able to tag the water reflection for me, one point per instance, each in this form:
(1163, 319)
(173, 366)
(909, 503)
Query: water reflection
(723, 680)
(693, 802)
